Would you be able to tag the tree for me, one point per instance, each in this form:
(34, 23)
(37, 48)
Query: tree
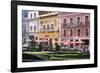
(32, 45)
(50, 45)
(57, 47)
(40, 46)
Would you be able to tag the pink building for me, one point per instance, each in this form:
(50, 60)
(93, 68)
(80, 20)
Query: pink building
(75, 27)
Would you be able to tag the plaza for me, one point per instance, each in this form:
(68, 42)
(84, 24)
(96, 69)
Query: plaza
(55, 35)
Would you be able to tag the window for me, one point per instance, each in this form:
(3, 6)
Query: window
(25, 15)
(78, 20)
(86, 18)
(64, 21)
(71, 20)
(86, 32)
(34, 15)
(71, 40)
(76, 40)
(34, 28)
(56, 39)
(24, 41)
(71, 32)
(78, 32)
(41, 22)
(50, 41)
(31, 28)
(31, 37)
(36, 38)
(52, 26)
(44, 27)
(40, 39)
(47, 26)
(31, 15)
(64, 32)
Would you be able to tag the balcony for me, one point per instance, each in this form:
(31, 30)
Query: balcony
(49, 30)
(79, 24)
(65, 24)
(69, 25)
(43, 31)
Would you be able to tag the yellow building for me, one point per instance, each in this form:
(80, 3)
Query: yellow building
(48, 27)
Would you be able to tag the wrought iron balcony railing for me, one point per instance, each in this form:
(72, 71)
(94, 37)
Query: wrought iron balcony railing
(49, 30)
(79, 24)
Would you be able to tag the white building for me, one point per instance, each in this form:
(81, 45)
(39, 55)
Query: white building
(33, 24)
(29, 25)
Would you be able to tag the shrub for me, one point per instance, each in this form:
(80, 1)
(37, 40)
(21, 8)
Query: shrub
(57, 47)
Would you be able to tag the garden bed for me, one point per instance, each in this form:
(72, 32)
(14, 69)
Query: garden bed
(52, 56)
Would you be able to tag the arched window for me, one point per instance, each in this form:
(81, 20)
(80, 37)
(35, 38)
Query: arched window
(86, 18)
(78, 20)
(52, 26)
(71, 32)
(31, 15)
(34, 28)
(34, 15)
(78, 32)
(64, 32)
(86, 32)
(44, 27)
(31, 27)
(64, 21)
(48, 27)
(71, 21)
(36, 38)
(56, 39)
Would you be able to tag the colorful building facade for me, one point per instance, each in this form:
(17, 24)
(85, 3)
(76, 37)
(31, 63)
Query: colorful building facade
(75, 27)
(48, 27)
